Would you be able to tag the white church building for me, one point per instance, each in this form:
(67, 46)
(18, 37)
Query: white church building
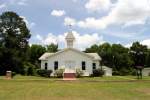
(70, 58)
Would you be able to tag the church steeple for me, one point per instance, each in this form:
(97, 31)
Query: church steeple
(70, 38)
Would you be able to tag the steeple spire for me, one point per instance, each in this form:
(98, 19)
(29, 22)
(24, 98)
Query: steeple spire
(70, 37)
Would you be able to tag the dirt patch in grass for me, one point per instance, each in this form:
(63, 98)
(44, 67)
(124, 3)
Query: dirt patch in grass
(144, 90)
(101, 81)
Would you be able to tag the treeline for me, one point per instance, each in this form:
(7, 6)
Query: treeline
(29, 63)
(35, 51)
(16, 54)
(122, 60)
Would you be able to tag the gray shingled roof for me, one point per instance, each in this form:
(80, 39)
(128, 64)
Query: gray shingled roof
(95, 55)
(46, 55)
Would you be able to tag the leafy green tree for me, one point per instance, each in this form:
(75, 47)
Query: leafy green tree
(138, 53)
(106, 53)
(119, 48)
(52, 48)
(14, 36)
(30, 71)
(93, 48)
(147, 62)
(115, 56)
(35, 52)
(121, 57)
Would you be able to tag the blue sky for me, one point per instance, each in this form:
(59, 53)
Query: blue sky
(94, 21)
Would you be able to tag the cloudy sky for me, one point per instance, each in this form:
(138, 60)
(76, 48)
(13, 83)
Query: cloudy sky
(94, 21)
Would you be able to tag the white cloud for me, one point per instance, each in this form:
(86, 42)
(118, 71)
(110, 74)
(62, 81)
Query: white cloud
(75, 1)
(58, 13)
(86, 40)
(51, 38)
(68, 21)
(29, 24)
(91, 22)
(128, 45)
(39, 37)
(16, 2)
(125, 35)
(22, 2)
(143, 42)
(81, 42)
(3, 6)
(124, 12)
(146, 42)
(25, 19)
(130, 12)
(98, 5)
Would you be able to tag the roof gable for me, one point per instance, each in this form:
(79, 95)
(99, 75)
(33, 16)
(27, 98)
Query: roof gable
(45, 56)
(94, 56)
(72, 49)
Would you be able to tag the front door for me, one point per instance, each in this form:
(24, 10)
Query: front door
(70, 65)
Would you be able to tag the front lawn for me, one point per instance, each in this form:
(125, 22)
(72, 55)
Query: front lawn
(105, 88)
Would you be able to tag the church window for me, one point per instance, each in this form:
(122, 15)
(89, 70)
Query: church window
(94, 65)
(45, 66)
(55, 65)
(83, 65)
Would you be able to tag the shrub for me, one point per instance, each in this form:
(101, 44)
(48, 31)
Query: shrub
(115, 73)
(2, 70)
(44, 73)
(124, 72)
(98, 72)
(21, 70)
(59, 73)
(133, 72)
(30, 71)
(13, 74)
(79, 73)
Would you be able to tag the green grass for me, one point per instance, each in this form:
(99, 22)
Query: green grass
(105, 88)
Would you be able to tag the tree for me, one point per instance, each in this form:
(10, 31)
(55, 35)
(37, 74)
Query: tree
(115, 56)
(14, 36)
(121, 58)
(138, 53)
(147, 63)
(93, 48)
(35, 52)
(52, 48)
(106, 53)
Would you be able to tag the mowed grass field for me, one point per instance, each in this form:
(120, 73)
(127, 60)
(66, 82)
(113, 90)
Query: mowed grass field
(105, 88)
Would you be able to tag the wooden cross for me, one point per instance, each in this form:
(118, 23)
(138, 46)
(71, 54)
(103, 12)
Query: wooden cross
(70, 27)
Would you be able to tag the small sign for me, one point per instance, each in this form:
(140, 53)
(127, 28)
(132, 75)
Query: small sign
(8, 74)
